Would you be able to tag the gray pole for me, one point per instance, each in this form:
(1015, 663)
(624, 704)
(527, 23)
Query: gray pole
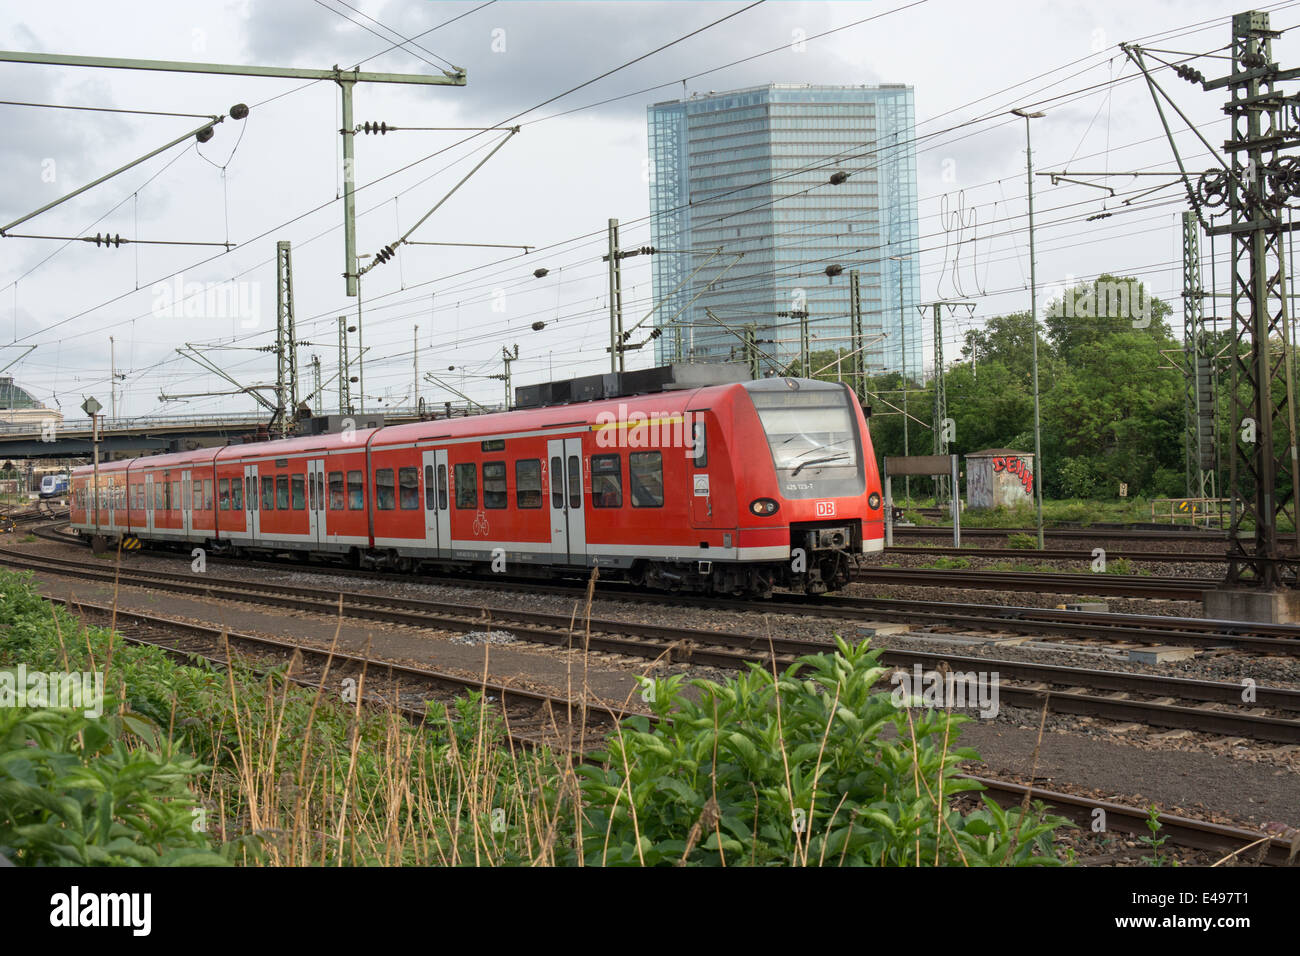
(112, 375)
(902, 340)
(94, 441)
(361, 353)
(615, 300)
(1033, 327)
(415, 352)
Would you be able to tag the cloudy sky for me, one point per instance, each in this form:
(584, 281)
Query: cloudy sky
(576, 162)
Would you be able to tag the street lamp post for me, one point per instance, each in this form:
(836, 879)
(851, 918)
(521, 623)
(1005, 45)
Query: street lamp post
(902, 341)
(1033, 324)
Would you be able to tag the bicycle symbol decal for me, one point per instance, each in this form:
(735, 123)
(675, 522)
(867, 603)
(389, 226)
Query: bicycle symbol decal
(481, 524)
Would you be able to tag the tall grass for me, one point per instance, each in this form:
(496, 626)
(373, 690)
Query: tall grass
(761, 769)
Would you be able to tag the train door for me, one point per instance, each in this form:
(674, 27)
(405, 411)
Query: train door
(251, 502)
(316, 499)
(701, 492)
(148, 503)
(187, 502)
(568, 524)
(437, 517)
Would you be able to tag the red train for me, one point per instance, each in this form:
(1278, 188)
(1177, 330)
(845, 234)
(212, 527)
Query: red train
(725, 488)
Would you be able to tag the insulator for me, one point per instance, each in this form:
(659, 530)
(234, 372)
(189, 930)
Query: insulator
(1099, 215)
(238, 111)
(647, 250)
(834, 269)
(656, 333)
(380, 128)
(538, 326)
(108, 240)
(1189, 73)
(838, 177)
(541, 273)
(204, 134)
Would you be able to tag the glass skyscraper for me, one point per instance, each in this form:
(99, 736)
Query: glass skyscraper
(747, 172)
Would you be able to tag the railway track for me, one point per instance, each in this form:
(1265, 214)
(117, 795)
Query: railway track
(1091, 533)
(1125, 585)
(1041, 623)
(1064, 554)
(1165, 702)
(533, 717)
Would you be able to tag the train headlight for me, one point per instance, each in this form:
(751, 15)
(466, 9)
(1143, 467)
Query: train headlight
(873, 501)
(763, 507)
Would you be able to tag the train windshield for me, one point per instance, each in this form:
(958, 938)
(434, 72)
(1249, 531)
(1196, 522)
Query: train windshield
(813, 435)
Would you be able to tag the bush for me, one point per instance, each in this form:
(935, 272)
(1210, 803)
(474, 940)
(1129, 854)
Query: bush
(1021, 541)
(1078, 478)
(74, 791)
(795, 769)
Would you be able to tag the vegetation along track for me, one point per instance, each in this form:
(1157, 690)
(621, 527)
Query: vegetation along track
(1205, 706)
(538, 722)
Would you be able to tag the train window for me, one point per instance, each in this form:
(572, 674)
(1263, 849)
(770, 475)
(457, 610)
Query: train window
(356, 491)
(429, 493)
(528, 483)
(282, 492)
(296, 484)
(466, 487)
(336, 491)
(252, 494)
(268, 493)
(223, 494)
(311, 490)
(159, 496)
(196, 495)
(408, 489)
(606, 481)
(645, 475)
(557, 482)
(494, 484)
(493, 444)
(575, 482)
(174, 496)
(236, 495)
(442, 487)
(700, 444)
(384, 489)
(207, 494)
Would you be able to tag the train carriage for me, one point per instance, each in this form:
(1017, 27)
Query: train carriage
(732, 488)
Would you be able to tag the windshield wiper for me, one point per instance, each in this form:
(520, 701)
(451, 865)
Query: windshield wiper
(814, 450)
(817, 461)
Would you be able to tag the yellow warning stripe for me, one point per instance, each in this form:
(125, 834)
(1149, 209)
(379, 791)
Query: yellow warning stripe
(674, 420)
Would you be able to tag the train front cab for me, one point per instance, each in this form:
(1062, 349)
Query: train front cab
(820, 486)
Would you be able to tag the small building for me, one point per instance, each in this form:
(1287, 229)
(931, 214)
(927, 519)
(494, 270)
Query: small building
(999, 478)
(19, 411)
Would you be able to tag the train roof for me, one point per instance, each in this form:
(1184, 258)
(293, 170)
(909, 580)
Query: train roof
(667, 402)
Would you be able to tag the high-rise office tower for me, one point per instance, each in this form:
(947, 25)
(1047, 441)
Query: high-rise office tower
(749, 172)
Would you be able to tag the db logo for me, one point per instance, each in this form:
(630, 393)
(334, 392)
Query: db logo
(826, 509)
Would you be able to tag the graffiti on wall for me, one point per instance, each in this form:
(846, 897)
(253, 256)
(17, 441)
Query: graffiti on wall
(1018, 467)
